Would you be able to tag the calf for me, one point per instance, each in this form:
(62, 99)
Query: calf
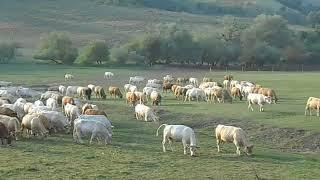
(259, 99)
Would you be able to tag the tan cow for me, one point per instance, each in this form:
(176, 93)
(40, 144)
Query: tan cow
(115, 92)
(131, 98)
(12, 124)
(180, 92)
(36, 123)
(231, 134)
(166, 86)
(235, 92)
(312, 103)
(269, 93)
(99, 92)
(66, 100)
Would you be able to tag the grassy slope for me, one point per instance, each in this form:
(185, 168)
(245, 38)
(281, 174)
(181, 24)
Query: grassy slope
(136, 152)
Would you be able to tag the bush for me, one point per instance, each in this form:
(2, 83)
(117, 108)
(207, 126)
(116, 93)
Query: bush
(57, 47)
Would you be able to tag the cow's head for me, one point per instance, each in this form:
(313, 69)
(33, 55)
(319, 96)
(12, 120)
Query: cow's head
(249, 149)
(268, 100)
(193, 150)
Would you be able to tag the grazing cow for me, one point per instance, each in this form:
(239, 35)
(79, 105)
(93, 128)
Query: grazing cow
(95, 112)
(62, 89)
(72, 90)
(156, 98)
(168, 78)
(88, 106)
(143, 111)
(269, 93)
(179, 133)
(131, 98)
(91, 86)
(148, 90)
(228, 77)
(195, 93)
(52, 103)
(100, 93)
(8, 112)
(231, 134)
(180, 92)
(72, 112)
(38, 103)
(4, 134)
(67, 100)
(36, 123)
(141, 97)
(68, 77)
(133, 88)
(100, 118)
(166, 87)
(27, 92)
(115, 92)
(136, 80)
(4, 101)
(95, 129)
(207, 85)
(154, 81)
(48, 94)
(259, 99)
(312, 103)
(235, 92)
(154, 85)
(181, 80)
(58, 121)
(127, 87)
(174, 87)
(84, 93)
(194, 81)
(108, 75)
(12, 124)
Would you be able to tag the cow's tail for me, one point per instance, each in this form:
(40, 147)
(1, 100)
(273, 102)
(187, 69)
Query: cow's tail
(159, 128)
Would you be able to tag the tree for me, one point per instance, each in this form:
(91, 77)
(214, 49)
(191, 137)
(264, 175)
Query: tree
(8, 52)
(151, 48)
(57, 47)
(96, 51)
(270, 29)
(119, 55)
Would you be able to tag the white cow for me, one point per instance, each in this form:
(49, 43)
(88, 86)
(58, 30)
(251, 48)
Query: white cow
(154, 85)
(143, 111)
(71, 90)
(233, 134)
(148, 90)
(72, 112)
(133, 88)
(259, 99)
(62, 89)
(195, 93)
(95, 129)
(194, 81)
(57, 119)
(27, 92)
(136, 80)
(68, 77)
(179, 133)
(100, 118)
(91, 86)
(52, 103)
(38, 103)
(108, 75)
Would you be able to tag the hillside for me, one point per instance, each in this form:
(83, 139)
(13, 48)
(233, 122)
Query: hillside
(28, 21)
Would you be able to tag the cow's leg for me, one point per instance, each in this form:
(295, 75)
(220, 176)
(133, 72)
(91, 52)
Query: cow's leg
(305, 110)
(261, 108)
(137, 116)
(318, 111)
(218, 145)
(164, 143)
(185, 147)
(238, 147)
(93, 135)
(170, 144)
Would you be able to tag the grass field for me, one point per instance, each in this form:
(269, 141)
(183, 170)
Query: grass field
(286, 142)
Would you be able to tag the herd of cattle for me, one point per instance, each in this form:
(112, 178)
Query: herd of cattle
(67, 109)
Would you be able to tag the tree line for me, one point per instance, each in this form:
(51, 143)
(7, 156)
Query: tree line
(267, 41)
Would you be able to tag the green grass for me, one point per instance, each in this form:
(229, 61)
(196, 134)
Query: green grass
(136, 152)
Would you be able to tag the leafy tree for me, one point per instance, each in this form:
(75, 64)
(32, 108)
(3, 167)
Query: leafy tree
(8, 52)
(96, 51)
(57, 47)
(119, 55)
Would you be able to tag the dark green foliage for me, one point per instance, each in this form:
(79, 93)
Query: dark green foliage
(7, 52)
(57, 47)
(94, 52)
